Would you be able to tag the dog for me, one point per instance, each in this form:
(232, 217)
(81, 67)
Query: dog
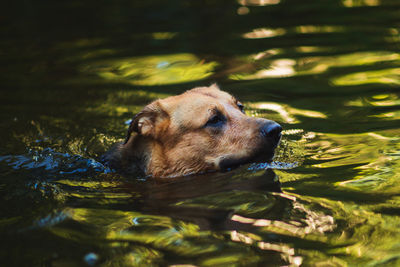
(202, 130)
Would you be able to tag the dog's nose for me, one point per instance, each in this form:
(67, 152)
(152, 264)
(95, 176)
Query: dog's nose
(272, 130)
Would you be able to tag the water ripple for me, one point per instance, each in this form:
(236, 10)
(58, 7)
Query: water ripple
(274, 165)
(54, 162)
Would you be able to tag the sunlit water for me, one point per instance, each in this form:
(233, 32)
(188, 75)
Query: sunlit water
(74, 73)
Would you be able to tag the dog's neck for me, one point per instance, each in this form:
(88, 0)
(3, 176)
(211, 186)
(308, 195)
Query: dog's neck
(146, 155)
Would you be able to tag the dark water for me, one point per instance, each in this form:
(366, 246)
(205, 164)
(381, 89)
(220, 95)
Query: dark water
(72, 74)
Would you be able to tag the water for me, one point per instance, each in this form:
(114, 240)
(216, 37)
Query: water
(73, 73)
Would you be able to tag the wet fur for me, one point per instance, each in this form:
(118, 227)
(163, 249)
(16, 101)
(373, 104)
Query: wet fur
(170, 137)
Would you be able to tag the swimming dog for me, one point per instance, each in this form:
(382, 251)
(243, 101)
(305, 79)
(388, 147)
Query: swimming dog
(204, 129)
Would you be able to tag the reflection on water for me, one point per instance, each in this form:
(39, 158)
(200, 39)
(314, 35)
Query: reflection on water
(328, 72)
(153, 70)
(264, 33)
(357, 3)
(258, 2)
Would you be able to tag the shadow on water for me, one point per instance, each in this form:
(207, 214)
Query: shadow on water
(74, 72)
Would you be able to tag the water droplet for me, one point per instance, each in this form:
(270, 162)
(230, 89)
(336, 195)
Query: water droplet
(162, 64)
(91, 258)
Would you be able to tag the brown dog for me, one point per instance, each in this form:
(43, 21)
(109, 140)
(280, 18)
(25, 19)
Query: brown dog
(203, 129)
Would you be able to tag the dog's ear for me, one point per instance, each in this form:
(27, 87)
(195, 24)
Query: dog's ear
(215, 86)
(145, 122)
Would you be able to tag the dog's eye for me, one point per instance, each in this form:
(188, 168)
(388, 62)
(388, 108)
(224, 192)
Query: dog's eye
(216, 120)
(240, 106)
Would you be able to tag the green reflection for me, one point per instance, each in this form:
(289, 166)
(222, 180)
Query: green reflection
(163, 35)
(135, 256)
(286, 67)
(153, 70)
(387, 76)
(368, 237)
(379, 100)
(374, 169)
(358, 185)
(286, 113)
(233, 200)
(230, 260)
(139, 239)
(358, 3)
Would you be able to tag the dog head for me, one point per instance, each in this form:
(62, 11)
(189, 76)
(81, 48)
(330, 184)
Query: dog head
(200, 130)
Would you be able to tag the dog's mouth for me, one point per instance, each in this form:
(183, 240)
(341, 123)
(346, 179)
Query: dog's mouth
(264, 154)
(232, 161)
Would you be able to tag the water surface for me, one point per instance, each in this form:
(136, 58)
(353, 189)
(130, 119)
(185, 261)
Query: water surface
(74, 73)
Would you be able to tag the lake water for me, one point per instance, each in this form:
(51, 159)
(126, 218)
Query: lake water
(73, 73)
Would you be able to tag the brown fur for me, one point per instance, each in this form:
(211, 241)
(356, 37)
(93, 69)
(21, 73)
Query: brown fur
(173, 137)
